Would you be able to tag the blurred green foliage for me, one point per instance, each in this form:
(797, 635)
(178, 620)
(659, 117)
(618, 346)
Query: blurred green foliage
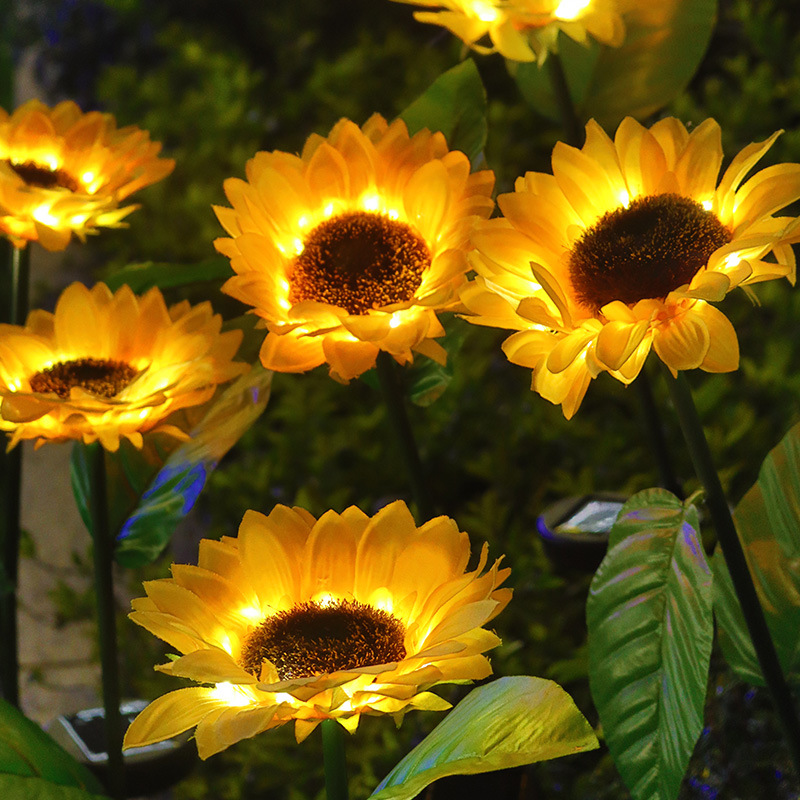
(215, 83)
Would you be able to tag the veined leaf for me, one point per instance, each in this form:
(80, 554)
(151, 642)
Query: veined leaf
(768, 522)
(27, 752)
(151, 490)
(663, 47)
(455, 104)
(13, 786)
(141, 277)
(506, 723)
(650, 634)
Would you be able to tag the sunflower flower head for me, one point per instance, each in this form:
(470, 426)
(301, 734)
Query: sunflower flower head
(63, 172)
(105, 366)
(525, 30)
(353, 246)
(626, 247)
(303, 619)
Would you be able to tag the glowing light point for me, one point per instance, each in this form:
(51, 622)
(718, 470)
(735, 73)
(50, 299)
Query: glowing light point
(371, 202)
(302, 222)
(251, 613)
(230, 694)
(42, 214)
(733, 260)
(707, 204)
(571, 9)
(395, 320)
(328, 211)
(624, 198)
(484, 11)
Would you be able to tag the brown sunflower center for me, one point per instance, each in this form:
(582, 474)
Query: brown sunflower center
(45, 178)
(646, 250)
(360, 260)
(100, 376)
(313, 639)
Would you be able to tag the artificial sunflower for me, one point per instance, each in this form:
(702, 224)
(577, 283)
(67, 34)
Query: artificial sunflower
(109, 366)
(63, 172)
(525, 30)
(625, 247)
(304, 620)
(352, 247)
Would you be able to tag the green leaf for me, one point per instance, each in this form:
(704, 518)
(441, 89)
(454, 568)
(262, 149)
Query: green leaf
(12, 786)
(454, 104)
(768, 522)
(27, 751)
(650, 626)
(141, 277)
(151, 490)
(663, 47)
(506, 723)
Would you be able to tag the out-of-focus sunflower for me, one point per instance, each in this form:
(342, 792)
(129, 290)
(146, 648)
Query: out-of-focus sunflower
(353, 246)
(525, 30)
(623, 248)
(64, 172)
(306, 620)
(109, 366)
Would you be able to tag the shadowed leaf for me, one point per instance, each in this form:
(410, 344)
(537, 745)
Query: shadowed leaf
(141, 277)
(650, 634)
(151, 490)
(663, 47)
(27, 752)
(768, 522)
(454, 104)
(506, 723)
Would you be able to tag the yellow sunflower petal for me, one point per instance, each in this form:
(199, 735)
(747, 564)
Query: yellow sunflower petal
(723, 351)
(67, 172)
(595, 302)
(223, 727)
(110, 366)
(206, 666)
(617, 341)
(413, 200)
(391, 585)
(170, 715)
(683, 341)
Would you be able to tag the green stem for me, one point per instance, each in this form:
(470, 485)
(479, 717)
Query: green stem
(15, 284)
(393, 395)
(106, 620)
(658, 441)
(737, 563)
(573, 128)
(333, 756)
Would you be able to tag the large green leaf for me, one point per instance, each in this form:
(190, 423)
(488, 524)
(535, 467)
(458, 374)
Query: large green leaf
(15, 788)
(151, 490)
(768, 522)
(663, 47)
(454, 104)
(141, 277)
(26, 751)
(506, 723)
(650, 633)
